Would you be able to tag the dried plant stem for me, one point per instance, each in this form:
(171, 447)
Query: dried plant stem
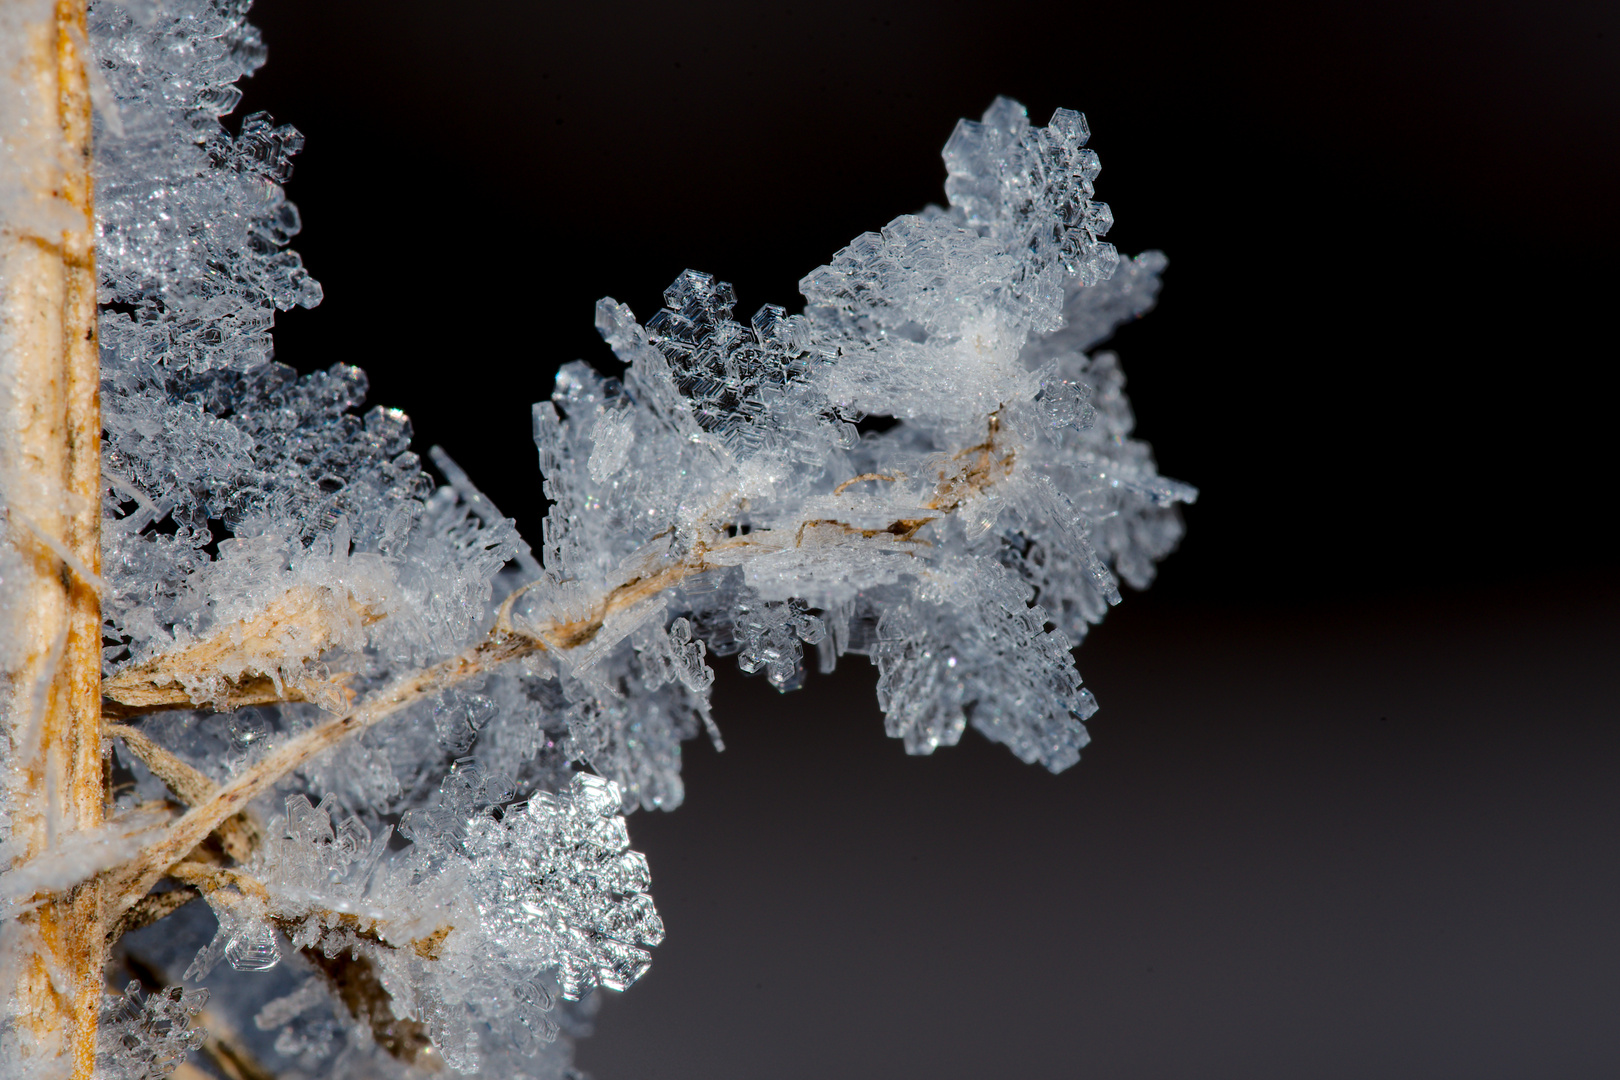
(244, 663)
(238, 835)
(127, 884)
(505, 643)
(51, 476)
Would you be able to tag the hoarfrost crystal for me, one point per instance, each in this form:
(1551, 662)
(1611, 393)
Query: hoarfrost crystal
(429, 876)
(146, 1036)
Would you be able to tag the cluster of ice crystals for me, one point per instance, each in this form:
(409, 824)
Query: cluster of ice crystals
(557, 882)
(1031, 190)
(147, 1036)
(770, 633)
(632, 732)
(289, 527)
(964, 549)
(210, 446)
(493, 909)
(729, 375)
(193, 223)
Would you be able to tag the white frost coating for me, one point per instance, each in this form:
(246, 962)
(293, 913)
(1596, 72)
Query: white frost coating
(208, 442)
(30, 163)
(80, 855)
(263, 522)
(13, 602)
(615, 434)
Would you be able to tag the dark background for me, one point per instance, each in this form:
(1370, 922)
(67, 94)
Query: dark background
(1352, 802)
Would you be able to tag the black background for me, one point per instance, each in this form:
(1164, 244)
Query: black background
(1352, 802)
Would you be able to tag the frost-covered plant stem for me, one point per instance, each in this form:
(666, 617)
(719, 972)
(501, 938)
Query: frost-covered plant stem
(50, 474)
(642, 581)
(251, 572)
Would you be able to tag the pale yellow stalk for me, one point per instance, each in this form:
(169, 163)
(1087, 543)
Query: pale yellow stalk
(50, 466)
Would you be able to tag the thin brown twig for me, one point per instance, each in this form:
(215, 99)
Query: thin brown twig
(261, 660)
(238, 835)
(852, 481)
(150, 909)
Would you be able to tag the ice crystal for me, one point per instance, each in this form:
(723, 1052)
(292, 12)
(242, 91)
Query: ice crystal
(770, 633)
(146, 1036)
(557, 880)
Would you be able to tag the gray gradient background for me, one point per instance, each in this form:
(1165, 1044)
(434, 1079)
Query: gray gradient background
(1351, 806)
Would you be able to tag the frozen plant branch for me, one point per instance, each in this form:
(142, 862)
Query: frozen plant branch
(969, 473)
(389, 745)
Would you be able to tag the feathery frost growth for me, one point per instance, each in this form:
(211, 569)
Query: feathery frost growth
(438, 735)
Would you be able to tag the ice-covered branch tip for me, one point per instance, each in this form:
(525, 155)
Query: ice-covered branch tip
(967, 328)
